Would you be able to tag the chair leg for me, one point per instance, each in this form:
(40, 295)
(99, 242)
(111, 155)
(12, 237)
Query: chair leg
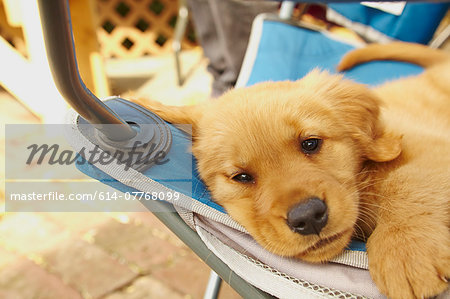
(213, 287)
(180, 29)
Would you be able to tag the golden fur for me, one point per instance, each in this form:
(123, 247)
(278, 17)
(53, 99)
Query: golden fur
(383, 168)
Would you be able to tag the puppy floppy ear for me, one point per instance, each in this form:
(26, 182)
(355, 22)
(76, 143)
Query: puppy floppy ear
(362, 109)
(383, 147)
(177, 115)
(358, 110)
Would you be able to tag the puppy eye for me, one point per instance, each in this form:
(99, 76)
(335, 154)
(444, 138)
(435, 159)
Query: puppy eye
(244, 178)
(311, 145)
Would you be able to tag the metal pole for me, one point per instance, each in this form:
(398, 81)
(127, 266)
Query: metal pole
(57, 29)
(286, 10)
(180, 29)
(213, 287)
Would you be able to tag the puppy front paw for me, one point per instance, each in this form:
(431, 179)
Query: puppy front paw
(409, 267)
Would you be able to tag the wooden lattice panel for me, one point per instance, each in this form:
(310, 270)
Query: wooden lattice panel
(134, 28)
(13, 35)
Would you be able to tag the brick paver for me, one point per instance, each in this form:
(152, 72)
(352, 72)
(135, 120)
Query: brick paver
(146, 287)
(137, 244)
(21, 278)
(189, 275)
(186, 274)
(87, 268)
(98, 254)
(148, 219)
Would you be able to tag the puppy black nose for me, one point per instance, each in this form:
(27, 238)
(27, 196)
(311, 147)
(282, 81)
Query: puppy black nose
(308, 217)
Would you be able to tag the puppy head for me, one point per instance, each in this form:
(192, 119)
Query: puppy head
(283, 158)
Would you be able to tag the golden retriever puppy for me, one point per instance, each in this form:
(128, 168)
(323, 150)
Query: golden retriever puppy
(307, 165)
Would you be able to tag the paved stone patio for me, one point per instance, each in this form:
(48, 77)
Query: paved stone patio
(103, 255)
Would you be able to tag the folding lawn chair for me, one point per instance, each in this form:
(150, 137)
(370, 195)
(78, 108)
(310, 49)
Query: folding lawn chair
(279, 49)
(381, 22)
